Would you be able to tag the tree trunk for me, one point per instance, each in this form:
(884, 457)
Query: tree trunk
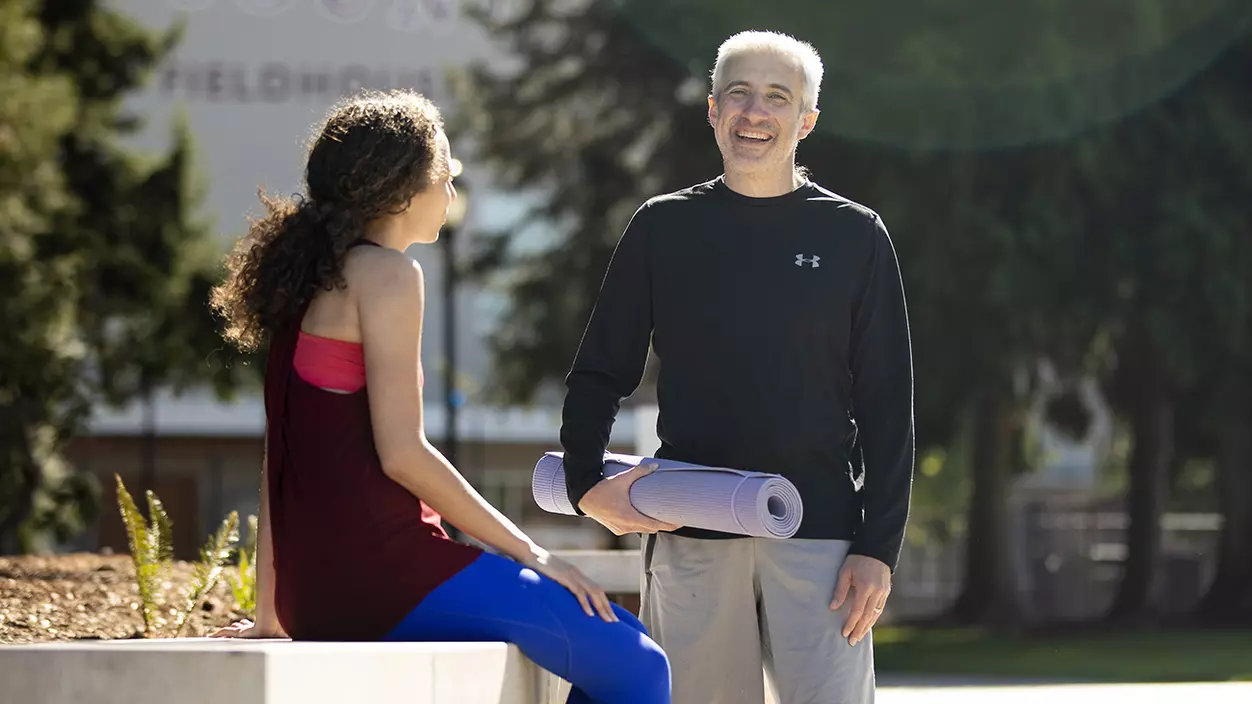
(1227, 600)
(989, 595)
(1152, 421)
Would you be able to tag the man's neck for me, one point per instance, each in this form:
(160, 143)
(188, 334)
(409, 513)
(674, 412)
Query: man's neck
(763, 185)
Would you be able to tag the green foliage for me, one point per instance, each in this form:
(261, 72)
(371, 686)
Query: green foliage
(966, 74)
(68, 504)
(152, 551)
(243, 583)
(41, 356)
(105, 266)
(213, 557)
(150, 547)
(558, 130)
(940, 493)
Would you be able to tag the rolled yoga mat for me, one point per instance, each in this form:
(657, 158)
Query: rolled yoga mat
(714, 498)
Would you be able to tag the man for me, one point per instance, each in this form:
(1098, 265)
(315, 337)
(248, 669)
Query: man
(776, 310)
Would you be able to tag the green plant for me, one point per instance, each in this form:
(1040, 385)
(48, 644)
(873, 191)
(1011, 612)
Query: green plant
(150, 546)
(208, 570)
(243, 586)
(151, 549)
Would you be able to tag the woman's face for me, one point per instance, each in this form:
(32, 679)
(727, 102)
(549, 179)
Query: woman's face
(428, 211)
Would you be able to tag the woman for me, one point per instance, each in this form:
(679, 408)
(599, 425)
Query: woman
(351, 545)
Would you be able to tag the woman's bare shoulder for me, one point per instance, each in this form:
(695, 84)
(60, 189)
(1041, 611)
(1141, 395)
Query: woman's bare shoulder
(373, 271)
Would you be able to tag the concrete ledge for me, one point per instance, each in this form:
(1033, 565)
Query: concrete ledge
(212, 671)
(616, 571)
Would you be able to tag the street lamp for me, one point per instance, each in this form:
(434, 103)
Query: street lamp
(452, 400)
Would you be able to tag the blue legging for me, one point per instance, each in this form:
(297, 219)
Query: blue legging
(497, 599)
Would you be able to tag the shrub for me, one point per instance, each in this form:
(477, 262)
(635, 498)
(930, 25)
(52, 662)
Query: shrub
(152, 550)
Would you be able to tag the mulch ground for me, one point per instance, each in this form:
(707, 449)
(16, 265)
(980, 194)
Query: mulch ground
(47, 598)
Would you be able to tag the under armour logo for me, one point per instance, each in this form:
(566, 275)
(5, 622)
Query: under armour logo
(812, 261)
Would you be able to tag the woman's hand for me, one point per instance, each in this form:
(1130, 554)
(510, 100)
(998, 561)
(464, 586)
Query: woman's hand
(245, 628)
(588, 593)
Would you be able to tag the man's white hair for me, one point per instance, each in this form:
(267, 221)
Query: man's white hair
(783, 45)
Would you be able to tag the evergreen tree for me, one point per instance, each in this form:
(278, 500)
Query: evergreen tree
(128, 259)
(40, 358)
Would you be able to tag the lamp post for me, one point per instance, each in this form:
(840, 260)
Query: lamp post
(451, 398)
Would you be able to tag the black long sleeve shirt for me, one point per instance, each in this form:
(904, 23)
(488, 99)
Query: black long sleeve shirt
(782, 334)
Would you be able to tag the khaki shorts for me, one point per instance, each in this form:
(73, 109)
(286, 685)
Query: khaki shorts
(734, 614)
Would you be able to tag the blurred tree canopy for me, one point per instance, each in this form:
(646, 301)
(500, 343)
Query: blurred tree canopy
(104, 264)
(1065, 181)
(965, 74)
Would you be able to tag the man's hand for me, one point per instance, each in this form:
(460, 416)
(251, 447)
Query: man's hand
(609, 503)
(870, 582)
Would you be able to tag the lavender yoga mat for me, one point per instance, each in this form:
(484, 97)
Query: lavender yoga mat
(714, 498)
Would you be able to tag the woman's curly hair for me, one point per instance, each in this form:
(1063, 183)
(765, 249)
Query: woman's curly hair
(373, 153)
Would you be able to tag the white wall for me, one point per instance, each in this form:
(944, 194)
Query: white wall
(253, 76)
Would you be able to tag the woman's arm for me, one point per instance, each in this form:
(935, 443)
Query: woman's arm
(264, 622)
(266, 616)
(390, 296)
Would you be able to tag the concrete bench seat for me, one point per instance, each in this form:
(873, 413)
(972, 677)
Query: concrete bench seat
(213, 671)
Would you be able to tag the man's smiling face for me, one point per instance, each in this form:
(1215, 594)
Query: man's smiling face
(759, 117)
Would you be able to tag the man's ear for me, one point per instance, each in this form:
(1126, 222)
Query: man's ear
(809, 122)
(712, 110)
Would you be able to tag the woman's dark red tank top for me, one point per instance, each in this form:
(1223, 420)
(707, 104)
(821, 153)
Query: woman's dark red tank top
(354, 552)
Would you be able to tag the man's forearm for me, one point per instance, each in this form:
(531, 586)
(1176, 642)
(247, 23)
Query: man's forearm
(887, 493)
(586, 423)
